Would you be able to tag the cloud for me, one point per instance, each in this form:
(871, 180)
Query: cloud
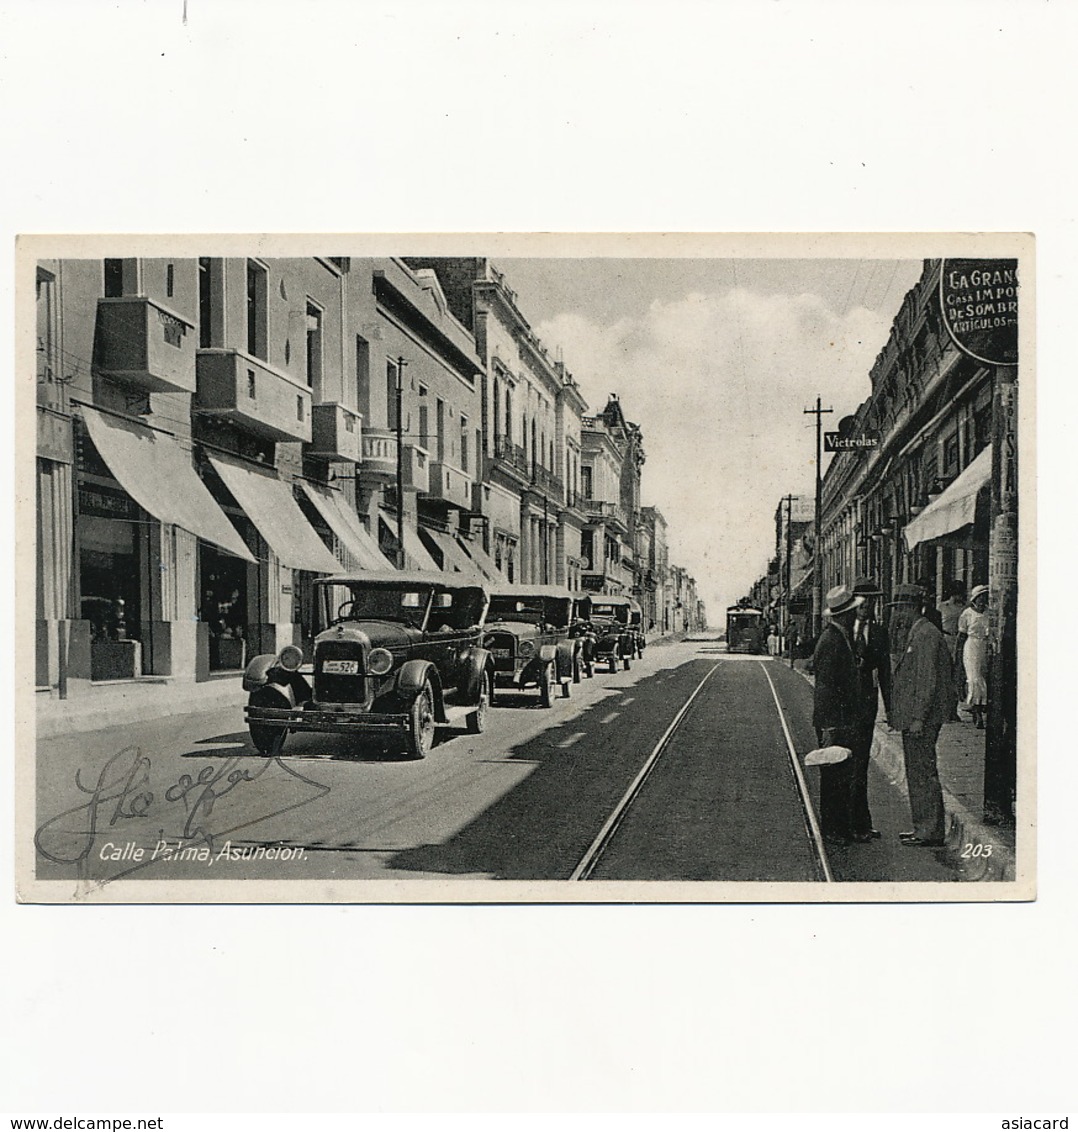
(718, 383)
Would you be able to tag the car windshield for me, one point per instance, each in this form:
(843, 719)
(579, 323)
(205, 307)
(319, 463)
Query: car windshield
(376, 603)
(531, 608)
(602, 609)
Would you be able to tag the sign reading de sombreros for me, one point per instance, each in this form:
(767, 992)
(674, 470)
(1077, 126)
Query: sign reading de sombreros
(979, 301)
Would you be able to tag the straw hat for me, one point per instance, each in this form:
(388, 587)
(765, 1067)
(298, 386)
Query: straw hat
(977, 591)
(841, 599)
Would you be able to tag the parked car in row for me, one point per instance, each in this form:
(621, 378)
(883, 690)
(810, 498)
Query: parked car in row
(401, 654)
(530, 635)
(615, 637)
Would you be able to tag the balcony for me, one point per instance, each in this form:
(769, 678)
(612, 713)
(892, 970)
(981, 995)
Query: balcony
(380, 461)
(450, 485)
(546, 480)
(143, 344)
(510, 456)
(253, 395)
(336, 433)
(600, 510)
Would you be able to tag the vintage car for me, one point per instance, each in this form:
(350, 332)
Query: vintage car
(529, 635)
(615, 638)
(400, 655)
(582, 629)
(636, 624)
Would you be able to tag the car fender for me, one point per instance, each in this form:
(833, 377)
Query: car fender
(256, 673)
(478, 666)
(547, 653)
(566, 652)
(412, 676)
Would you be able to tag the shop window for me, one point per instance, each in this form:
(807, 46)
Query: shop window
(950, 455)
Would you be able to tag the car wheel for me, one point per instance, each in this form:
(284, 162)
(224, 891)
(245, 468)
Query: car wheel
(566, 689)
(268, 740)
(546, 686)
(477, 721)
(589, 668)
(576, 669)
(420, 735)
(626, 663)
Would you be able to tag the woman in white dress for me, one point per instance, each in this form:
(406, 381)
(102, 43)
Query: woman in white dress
(973, 645)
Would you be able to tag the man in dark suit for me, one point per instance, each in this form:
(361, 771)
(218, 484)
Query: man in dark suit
(921, 697)
(873, 655)
(835, 710)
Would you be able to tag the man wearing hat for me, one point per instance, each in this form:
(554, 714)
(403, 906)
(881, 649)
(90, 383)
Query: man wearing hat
(921, 696)
(835, 713)
(872, 652)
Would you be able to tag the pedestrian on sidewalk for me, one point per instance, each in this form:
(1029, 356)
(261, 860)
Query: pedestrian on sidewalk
(950, 611)
(973, 642)
(873, 655)
(835, 710)
(921, 693)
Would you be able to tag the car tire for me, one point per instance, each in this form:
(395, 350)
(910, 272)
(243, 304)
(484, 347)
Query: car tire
(626, 662)
(419, 738)
(477, 721)
(268, 740)
(589, 668)
(566, 689)
(546, 686)
(577, 676)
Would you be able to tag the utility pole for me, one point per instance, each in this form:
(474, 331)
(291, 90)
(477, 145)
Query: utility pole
(817, 571)
(401, 363)
(789, 501)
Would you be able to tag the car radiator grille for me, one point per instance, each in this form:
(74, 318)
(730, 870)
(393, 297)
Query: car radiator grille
(336, 688)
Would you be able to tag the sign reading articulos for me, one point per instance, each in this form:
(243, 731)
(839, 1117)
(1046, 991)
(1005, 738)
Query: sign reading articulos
(979, 301)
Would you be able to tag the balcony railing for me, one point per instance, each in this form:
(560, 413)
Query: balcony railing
(512, 455)
(336, 433)
(139, 342)
(380, 460)
(450, 485)
(253, 394)
(546, 479)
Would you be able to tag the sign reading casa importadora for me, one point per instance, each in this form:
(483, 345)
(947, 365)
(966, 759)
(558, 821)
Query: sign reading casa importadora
(979, 302)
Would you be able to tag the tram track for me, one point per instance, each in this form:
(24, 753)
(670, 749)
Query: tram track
(667, 745)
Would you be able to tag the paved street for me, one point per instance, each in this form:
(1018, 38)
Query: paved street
(189, 798)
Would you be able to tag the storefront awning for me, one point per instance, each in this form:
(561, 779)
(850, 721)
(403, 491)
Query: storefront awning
(345, 524)
(955, 507)
(159, 476)
(453, 556)
(486, 564)
(414, 550)
(269, 504)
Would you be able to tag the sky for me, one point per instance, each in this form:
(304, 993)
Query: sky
(717, 360)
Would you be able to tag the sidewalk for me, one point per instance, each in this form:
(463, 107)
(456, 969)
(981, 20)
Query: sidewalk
(131, 701)
(960, 760)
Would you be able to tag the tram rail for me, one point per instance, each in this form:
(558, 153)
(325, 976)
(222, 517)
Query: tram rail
(588, 863)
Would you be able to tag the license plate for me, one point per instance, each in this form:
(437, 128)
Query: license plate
(502, 652)
(340, 667)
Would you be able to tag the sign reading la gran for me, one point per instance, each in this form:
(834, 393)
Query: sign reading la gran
(979, 301)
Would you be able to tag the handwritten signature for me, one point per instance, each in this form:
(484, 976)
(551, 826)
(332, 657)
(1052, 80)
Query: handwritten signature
(122, 793)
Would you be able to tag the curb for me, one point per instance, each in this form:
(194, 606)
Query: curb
(963, 826)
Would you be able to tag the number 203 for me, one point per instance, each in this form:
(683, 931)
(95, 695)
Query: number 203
(970, 850)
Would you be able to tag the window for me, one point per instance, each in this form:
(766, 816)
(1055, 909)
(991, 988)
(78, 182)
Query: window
(440, 424)
(587, 548)
(299, 407)
(363, 368)
(508, 415)
(257, 285)
(250, 383)
(114, 278)
(46, 326)
(314, 346)
(585, 482)
(170, 280)
(950, 455)
(496, 415)
(205, 303)
(391, 393)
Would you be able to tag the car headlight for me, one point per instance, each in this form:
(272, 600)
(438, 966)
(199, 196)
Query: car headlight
(379, 662)
(526, 648)
(290, 658)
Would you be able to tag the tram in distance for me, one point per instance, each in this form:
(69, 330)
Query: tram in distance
(746, 629)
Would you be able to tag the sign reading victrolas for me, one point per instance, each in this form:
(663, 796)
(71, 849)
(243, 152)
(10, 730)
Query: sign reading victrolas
(836, 442)
(979, 301)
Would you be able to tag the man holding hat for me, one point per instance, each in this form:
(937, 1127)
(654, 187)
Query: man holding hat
(835, 712)
(872, 652)
(921, 697)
